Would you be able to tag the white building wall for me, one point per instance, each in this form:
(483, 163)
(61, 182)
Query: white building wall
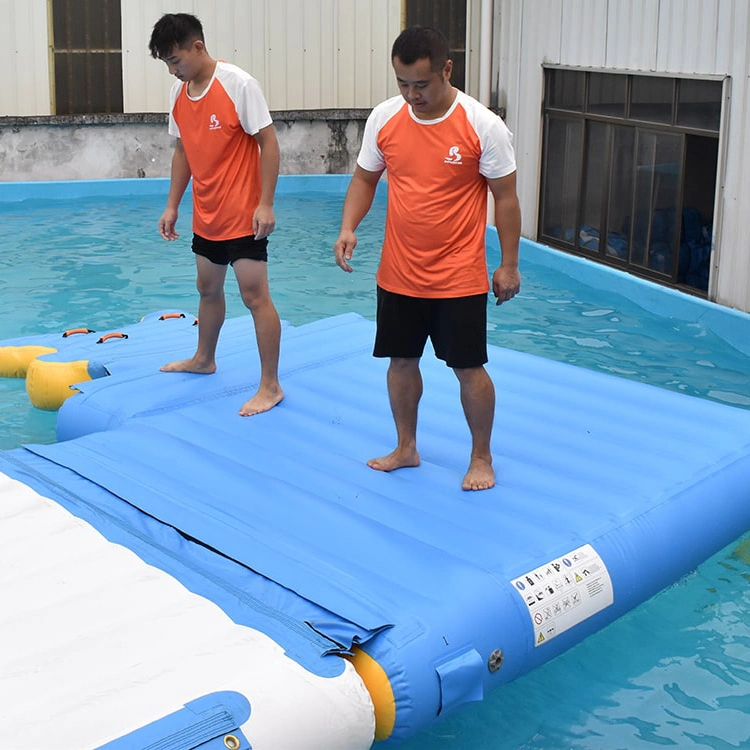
(306, 54)
(672, 37)
(733, 281)
(24, 58)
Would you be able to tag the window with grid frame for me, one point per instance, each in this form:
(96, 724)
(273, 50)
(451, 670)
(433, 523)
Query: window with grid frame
(449, 17)
(87, 56)
(629, 171)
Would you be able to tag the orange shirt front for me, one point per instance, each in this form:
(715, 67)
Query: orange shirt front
(434, 243)
(217, 131)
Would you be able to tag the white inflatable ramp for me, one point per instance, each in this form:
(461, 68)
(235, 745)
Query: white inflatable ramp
(99, 644)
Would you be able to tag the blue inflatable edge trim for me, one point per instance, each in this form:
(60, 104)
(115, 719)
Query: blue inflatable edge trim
(733, 326)
(211, 717)
(14, 192)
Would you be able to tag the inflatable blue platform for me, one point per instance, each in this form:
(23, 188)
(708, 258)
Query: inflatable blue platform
(607, 491)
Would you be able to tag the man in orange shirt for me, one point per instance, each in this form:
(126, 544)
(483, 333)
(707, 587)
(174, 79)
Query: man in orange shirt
(227, 144)
(442, 150)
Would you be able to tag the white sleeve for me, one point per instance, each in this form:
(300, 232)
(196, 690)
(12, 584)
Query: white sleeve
(252, 108)
(370, 156)
(246, 95)
(498, 158)
(174, 92)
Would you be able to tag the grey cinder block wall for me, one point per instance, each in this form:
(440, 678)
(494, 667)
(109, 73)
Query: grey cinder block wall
(91, 147)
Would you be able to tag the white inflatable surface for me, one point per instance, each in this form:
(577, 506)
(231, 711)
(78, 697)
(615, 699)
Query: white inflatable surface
(96, 643)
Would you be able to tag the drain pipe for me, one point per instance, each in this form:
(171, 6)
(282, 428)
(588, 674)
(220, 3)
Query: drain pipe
(485, 51)
(485, 73)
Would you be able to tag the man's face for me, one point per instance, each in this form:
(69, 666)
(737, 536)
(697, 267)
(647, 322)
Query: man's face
(429, 93)
(184, 62)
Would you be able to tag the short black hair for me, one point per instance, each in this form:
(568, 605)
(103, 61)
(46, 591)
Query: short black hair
(174, 30)
(419, 42)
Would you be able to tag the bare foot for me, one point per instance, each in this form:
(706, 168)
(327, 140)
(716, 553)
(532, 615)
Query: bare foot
(264, 400)
(397, 459)
(191, 365)
(480, 476)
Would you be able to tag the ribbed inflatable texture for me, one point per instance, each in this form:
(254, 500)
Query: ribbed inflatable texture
(607, 491)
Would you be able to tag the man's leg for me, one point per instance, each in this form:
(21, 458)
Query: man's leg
(252, 278)
(478, 401)
(211, 313)
(404, 392)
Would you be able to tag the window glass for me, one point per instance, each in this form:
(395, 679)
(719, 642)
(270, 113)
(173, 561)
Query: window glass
(594, 193)
(699, 104)
(698, 196)
(657, 199)
(450, 17)
(651, 99)
(87, 56)
(565, 89)
(620, 193)
(86, 84)
(607, 93)
(562, 178)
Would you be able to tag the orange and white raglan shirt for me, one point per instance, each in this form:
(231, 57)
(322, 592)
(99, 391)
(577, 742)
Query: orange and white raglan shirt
(217, 130)
(434, 244)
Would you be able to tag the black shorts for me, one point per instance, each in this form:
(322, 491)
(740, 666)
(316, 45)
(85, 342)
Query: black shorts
(222, 252)
(457, 328)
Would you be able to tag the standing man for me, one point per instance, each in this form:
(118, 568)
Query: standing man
(442, 150)
(227, 143)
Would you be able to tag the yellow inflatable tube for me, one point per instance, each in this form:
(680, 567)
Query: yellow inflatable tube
(15, 360)
(53, 363)
(378, 685)
(48, 383)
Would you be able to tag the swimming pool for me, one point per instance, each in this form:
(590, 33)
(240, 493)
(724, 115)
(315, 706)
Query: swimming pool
(674, 671)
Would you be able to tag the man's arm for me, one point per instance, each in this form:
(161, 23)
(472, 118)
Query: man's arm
(359, 197)
(180, 177)
(506, 280)
(264, 219)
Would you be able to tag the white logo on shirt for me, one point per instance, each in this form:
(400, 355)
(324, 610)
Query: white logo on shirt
(214, 123)
(454, 157)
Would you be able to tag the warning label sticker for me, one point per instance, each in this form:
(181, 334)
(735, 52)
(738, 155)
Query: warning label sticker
(564, 592)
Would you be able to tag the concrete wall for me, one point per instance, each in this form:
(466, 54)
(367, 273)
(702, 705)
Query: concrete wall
(91, 147)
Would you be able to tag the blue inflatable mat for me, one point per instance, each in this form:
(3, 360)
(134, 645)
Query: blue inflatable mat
(607, 491)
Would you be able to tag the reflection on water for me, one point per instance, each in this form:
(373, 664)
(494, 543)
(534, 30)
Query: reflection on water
(558, 318)
(675, 672)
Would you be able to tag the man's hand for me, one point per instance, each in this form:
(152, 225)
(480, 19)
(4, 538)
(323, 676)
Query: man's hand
(506, 283)
(343, 250)
(264, 221)
(167, 223)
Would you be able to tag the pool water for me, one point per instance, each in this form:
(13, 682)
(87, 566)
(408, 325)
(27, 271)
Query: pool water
(675, 672)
